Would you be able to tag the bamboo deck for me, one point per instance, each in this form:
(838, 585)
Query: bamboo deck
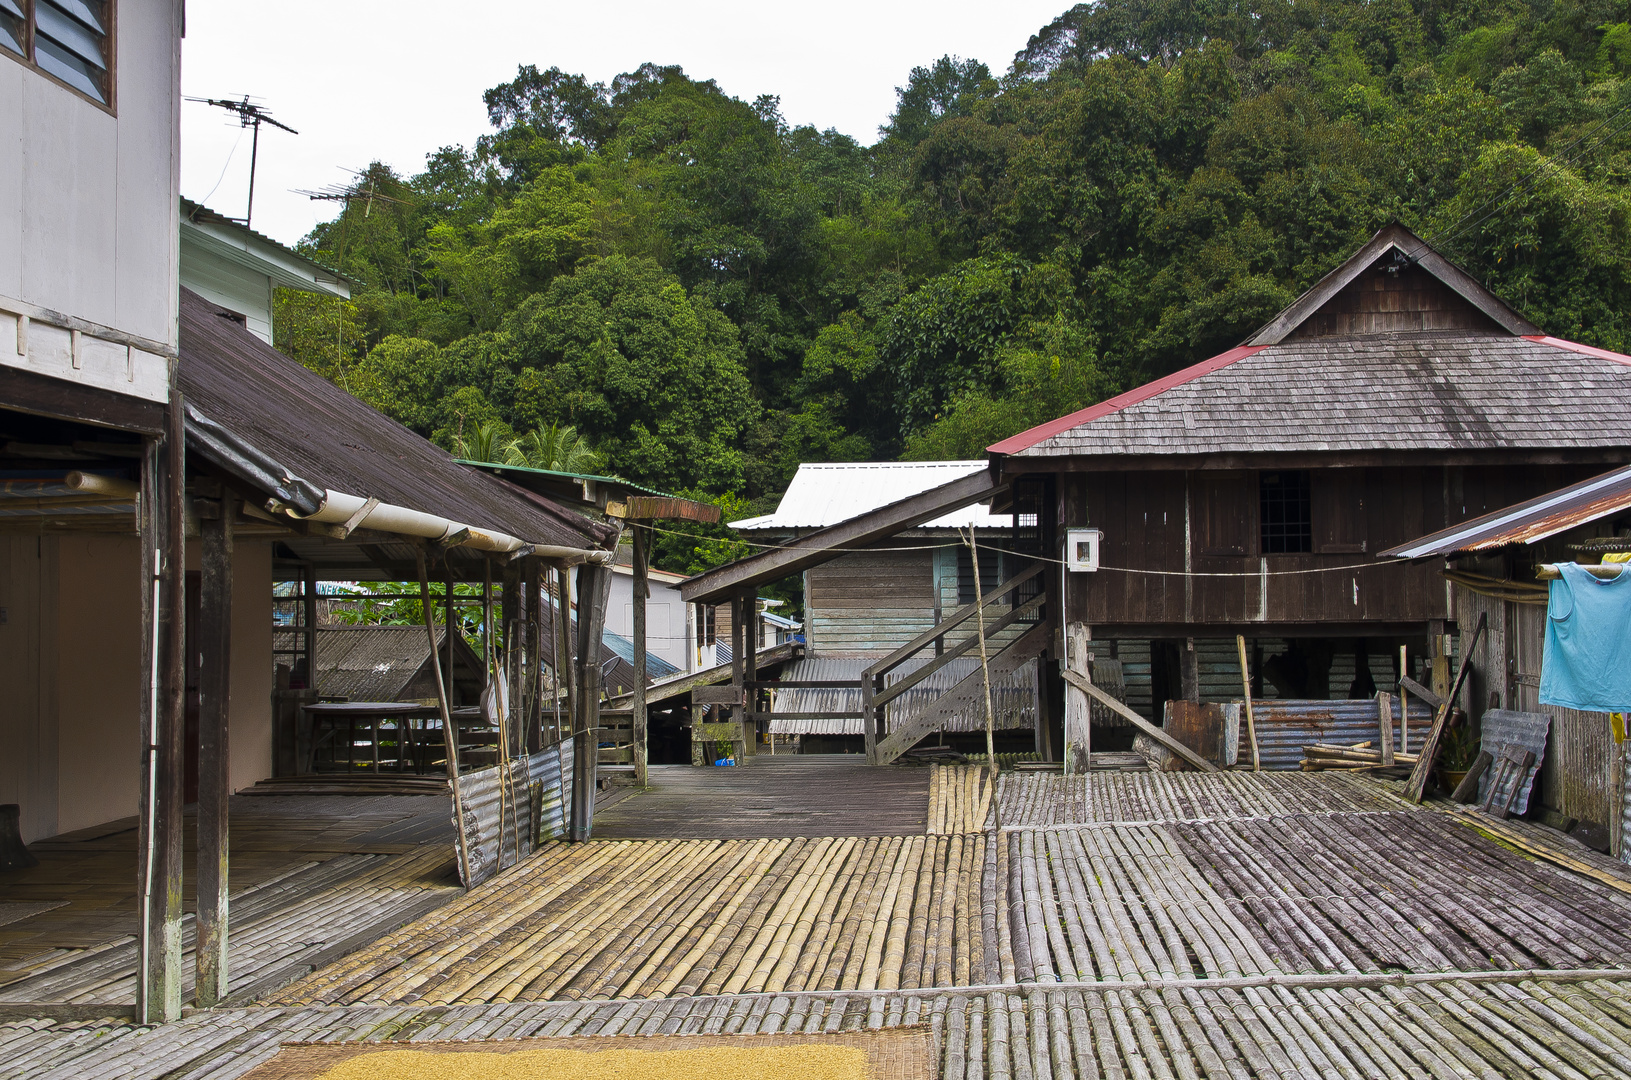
(1136, 926)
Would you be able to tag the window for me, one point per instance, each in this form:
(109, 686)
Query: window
(67, 39)
(990, 574)
(1286, 512)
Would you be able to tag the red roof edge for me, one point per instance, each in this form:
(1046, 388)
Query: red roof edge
(1027, 439)
(1575, 346)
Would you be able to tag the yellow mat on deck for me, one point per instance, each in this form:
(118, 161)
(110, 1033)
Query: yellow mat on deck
(894, 1054)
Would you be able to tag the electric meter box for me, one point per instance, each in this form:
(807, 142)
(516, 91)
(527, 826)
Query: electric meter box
(1082, 549)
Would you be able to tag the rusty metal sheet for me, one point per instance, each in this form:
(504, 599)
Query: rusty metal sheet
(647, 507)
(1285, 727)
(1576, 777)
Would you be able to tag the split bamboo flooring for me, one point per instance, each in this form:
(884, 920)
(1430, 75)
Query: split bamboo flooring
(1444, 1029)
(1130, 926)
(642, 919)
(1032, 800)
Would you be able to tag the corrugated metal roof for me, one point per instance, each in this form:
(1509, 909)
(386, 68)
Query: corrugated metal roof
(1528, 522)
(825, 494)
(376, 663)
(1013, 699)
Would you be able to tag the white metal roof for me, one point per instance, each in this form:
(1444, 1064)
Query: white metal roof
(825, 494)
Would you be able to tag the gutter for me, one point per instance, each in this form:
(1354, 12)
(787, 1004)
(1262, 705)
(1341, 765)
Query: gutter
(300, 500)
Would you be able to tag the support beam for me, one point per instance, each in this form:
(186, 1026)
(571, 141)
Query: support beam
(1078, 709)
(450, 734)
(642, 591)
(214, 755)
(158, 965)
(1156, 733)
(594, 588)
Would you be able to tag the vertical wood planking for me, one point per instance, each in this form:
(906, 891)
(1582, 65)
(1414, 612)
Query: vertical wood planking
(642, 591)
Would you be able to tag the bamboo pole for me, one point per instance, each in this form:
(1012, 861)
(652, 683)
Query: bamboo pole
(1246, 688)
(985, 666)
(450, 736)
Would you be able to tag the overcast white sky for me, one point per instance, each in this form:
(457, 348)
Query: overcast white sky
(364, 79)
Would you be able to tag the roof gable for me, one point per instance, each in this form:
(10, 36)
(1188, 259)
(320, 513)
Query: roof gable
(1393, 251)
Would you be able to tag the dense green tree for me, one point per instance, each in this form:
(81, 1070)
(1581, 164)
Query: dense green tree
(711, 297)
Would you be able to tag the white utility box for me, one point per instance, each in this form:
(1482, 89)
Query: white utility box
(1082, 549)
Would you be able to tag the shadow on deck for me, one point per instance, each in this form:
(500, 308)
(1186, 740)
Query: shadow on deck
(785, 796)
(312, 878)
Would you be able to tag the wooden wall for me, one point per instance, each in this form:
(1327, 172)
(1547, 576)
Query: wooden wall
(871, 602)
(1377, 302)
(1208, 522)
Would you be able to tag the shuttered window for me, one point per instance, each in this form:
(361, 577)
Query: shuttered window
(70, 40)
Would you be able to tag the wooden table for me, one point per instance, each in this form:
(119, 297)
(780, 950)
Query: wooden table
(371, 713)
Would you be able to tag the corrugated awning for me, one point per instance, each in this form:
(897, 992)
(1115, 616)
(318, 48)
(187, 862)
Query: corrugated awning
(1527, 522)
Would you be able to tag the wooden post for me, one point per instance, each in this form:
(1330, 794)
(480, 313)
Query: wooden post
(642, 591)
(750, 674)
(869, 715)
(308, 622)
(1416, 786)
(1384, 716)
(450, 735)
(448, 622)
(594, 588)
(509, 617)
(1246, 688)
(159, 816)
(532, 666)
(214, 760)
(1404, 700)
(565, 646)
(1078, 707)
(985, 666)
(1189, 671)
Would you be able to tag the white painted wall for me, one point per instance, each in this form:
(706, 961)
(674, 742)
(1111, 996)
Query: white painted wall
(88, 198)
(665, 617)
(230, 284)
(70, 659)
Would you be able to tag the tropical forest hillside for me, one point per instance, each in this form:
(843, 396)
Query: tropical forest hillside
(710, 297)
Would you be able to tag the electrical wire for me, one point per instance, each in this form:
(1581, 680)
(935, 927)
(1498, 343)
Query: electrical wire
(1057, 562)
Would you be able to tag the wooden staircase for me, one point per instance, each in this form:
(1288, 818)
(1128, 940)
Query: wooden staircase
(968, 694)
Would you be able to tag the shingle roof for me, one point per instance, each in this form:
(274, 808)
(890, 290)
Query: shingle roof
(1427, 390)
(1351, 365)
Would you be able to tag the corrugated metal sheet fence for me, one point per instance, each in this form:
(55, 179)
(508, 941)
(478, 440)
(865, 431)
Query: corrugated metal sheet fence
(1285, 727)
(510, 808)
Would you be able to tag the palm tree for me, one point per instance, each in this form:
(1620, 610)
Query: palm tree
(554, 448)
(491, 442)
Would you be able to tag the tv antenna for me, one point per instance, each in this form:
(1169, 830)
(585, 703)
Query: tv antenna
(253, 116)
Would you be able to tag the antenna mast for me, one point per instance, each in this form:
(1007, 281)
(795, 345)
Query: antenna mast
(250, 115)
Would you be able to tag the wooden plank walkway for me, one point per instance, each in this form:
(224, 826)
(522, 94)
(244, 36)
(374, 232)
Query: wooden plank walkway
(785, 796)
(312, 878)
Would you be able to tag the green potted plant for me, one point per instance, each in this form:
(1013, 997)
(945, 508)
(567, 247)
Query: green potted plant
(1456, 753)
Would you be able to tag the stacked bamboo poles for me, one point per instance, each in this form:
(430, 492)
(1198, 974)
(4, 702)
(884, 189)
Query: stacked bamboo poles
(649, 919)
(1032, 800)
(959, 799)
(1443, 1029)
